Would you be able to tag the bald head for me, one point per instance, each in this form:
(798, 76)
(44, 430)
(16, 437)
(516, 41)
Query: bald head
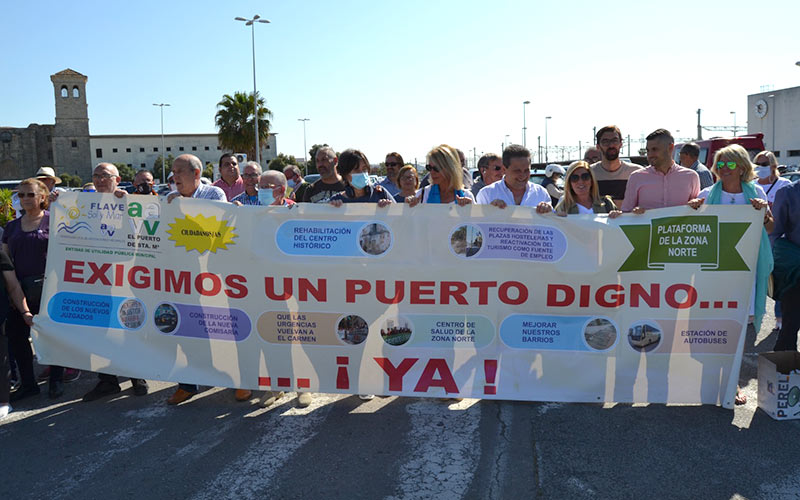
(186, 170)
(105, 177)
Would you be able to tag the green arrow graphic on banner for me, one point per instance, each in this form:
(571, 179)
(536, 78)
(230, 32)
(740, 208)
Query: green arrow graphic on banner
(685, 240)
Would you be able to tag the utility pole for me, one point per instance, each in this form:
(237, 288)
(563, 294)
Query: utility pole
(699, 128)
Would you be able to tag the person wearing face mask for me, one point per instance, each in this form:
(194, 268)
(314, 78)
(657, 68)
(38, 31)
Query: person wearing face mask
(144, 183)
(272, 189)
(354, 169)
(295, 184)
(769, 178)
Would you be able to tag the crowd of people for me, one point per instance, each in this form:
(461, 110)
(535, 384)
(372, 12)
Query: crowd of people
(601, 183)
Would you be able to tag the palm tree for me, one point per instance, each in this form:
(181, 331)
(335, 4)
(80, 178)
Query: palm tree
(234, 120)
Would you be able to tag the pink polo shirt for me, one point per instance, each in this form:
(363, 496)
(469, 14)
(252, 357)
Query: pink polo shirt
(231, 191)
(648, 188)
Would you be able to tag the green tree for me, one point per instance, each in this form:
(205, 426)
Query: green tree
(311, 167)
(157, 167)
(281, 161)
(6, 210)
(209, 171)
(69, 180)
(125, 172)
(234, 120)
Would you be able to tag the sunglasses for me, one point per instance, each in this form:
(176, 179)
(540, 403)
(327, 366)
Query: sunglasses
(27, 195)
(497, 168)
(392, 164)
(102, 176)
(433, 168)
(730, 164)
(610, 142)
(763, 164)
(580, 177)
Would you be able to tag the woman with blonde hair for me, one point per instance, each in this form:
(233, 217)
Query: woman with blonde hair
(581, 194)
(447, 184)
(769, 178)
(736, 187)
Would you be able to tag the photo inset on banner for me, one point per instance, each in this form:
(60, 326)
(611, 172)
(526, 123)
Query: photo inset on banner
(644, 337)
(352, 330)
(375, 238)
(600, 334)
(466, 240)
(396, 330)
(132, 313)
(166, 318)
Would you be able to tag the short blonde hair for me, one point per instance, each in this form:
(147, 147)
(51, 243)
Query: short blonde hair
(446, 159)
(737, 154)
(409, 168)
(568, 200)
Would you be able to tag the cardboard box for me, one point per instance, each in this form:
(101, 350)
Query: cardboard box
(778, 387)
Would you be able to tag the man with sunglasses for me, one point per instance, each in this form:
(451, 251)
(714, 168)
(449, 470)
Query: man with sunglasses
(689, 157)
(662, 184)
(106, 178)
(491, 169)
(394, 162)
(612, 173)
(516, 188)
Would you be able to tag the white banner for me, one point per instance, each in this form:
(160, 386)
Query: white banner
(435, 300)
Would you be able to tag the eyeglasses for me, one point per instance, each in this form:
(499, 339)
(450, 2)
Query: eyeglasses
(580, 177)
(392, 164)
(730, 164)
(432, 168)
(763, 164)
(27, 195)
(497, 168)
(610, 142)
(270, 186)
(250, 176)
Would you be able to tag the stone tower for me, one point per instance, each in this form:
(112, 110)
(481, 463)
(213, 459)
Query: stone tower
(71, 152)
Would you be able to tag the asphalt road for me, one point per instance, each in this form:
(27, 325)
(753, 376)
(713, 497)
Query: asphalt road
(342, 447)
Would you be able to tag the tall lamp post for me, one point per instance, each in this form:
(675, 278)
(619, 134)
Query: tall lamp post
(252, 24)
(546, 118)
(163, 148)
(524, 127)
(305, 149)
(735, 130)
(772, 110)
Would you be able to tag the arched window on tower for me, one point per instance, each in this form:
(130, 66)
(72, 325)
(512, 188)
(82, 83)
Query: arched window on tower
(64, 91)
(76, 93)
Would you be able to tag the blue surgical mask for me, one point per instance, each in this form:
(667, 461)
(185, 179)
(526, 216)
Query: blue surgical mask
(265, 197)
(763, 172)
(291, 183)
(359, 181)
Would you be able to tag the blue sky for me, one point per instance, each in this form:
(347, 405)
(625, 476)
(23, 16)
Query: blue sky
(405, 76)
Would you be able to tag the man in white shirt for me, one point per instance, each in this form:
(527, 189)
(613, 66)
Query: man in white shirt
(516, 188)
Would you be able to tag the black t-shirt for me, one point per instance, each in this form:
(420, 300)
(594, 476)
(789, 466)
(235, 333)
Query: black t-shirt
(5, 265)
(320, 192)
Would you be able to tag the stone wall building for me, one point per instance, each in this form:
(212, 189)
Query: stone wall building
(68, 147)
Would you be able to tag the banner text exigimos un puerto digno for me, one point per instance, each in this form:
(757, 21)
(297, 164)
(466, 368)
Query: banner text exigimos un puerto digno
(434, 300)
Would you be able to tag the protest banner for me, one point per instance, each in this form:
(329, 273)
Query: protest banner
(434, 300)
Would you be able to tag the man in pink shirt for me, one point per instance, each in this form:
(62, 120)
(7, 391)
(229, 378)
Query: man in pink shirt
(664, 183)
(230, 181)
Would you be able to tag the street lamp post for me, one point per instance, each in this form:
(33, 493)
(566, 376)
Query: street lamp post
(163, 149)
(305, 149)
(735, 129)
(524, 127)
(252, 24)
(546, 118)
(772, 110)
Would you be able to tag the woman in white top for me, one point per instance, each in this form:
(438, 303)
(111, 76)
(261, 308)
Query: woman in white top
(768, 175)
(447, 185)
(736, 187)
(581, 194)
